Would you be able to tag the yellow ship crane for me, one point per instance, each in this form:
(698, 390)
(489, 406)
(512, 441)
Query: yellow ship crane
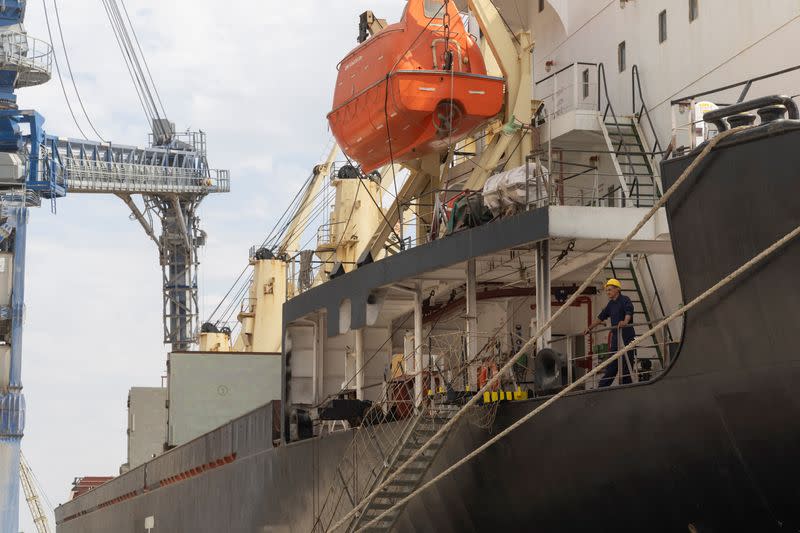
(32, 496)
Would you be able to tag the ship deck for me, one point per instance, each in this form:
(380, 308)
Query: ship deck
(589, 232)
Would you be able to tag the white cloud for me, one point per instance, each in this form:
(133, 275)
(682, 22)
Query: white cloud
(257, 76)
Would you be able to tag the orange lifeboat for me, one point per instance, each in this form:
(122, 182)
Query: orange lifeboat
(401, 95)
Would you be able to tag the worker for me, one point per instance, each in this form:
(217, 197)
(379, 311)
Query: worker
(620, 310)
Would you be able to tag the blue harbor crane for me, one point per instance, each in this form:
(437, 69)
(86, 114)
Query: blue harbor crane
(172, 177)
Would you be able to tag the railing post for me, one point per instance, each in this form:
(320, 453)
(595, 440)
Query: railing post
(527, 181)
(555, 97)
(575, 86)
(600, 69)
(418, 396)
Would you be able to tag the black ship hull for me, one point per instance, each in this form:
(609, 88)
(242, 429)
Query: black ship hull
(710, 445)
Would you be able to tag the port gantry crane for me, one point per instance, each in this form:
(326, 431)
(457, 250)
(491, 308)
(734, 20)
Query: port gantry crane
(172, 176)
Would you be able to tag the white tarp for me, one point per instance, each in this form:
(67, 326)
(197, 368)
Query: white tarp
(507, 189)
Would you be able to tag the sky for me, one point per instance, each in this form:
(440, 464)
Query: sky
(257, 76)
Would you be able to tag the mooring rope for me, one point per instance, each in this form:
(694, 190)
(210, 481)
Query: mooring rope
(531, 342)
(633, 344)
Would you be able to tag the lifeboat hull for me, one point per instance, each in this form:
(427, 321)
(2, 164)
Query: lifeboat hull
(415, 87)
(423, 112)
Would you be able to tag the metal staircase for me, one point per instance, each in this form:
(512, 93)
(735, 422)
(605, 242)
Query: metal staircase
(632, 160)
(626, 269)
(418, 433)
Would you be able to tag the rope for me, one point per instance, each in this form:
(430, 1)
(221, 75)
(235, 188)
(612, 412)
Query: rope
(386, 117)
(69, 68)
(144, 58)
(633, 344)
(128, 64)
(532, 341)
(60, 78)
(143, 87)
(274, 234)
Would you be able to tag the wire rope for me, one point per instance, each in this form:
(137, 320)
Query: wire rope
(135, 70)
(71, 74)
(144, 57)
(60, 78)
(137, 67)
(386, 117)
(126, 59)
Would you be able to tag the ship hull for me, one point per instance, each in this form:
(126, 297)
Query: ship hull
(712, 444)
(717, 452)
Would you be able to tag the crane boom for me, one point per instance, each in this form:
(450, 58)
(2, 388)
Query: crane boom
(32, 497)
(172, 180)
(292, 236)
(172, 176)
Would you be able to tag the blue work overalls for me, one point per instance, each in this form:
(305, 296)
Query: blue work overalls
(616, 310)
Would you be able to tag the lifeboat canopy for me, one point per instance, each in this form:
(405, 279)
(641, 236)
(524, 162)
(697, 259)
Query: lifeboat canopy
(414, 88)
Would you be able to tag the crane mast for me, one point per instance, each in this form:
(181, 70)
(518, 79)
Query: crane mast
(172, 177)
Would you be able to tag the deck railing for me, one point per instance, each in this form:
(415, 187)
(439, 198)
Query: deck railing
(30, 57)
(574, 87)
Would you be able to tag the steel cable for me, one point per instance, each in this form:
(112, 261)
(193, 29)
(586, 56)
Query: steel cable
(144, 58)
(58, 71)
(126, 59)
(69, 68)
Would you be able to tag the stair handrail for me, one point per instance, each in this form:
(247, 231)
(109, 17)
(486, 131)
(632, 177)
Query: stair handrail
(636, 89)
(389, 462)
(601, 76)
(359, 432)
(667, 331)
(392, 462)
(631, 267)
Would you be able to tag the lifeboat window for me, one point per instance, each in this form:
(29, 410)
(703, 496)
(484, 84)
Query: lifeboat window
(434, 8)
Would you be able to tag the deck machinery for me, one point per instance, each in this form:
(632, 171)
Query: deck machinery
(172, 176)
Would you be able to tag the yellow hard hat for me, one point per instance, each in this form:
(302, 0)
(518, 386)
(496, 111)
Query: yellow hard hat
(613, 283)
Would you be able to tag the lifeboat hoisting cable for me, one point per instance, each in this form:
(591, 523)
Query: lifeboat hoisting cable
(423, 79)
(446, 25)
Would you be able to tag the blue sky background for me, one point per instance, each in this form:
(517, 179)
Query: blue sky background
(257, 76)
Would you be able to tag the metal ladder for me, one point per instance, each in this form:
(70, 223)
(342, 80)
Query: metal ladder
(420, 431)
(632, 160)
(624, 269)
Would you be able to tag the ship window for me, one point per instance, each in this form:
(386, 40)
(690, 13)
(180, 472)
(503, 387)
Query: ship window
(662, 26)
(694, 10)
(621, 56)
(434, 8)
(585, 83)
(541, 6)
